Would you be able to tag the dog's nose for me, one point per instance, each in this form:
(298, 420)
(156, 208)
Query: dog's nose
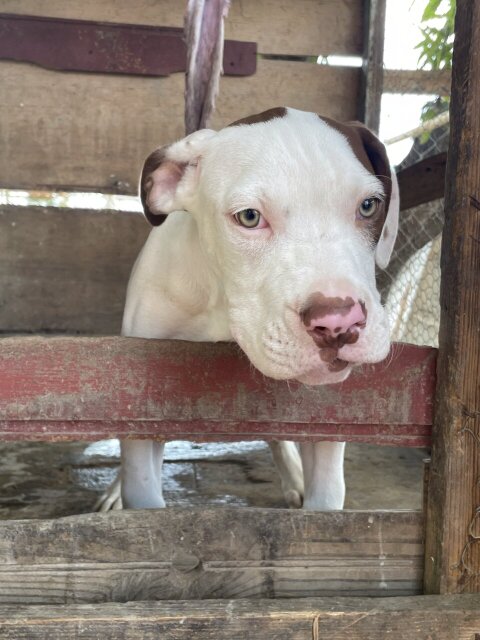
(334, 321)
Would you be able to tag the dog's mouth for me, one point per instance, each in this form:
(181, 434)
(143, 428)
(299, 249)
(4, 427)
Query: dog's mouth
(316, 377)
(315, 365)
(334, 363)
(338, 365)
(331, 369)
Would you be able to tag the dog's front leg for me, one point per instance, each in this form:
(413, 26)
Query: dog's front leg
(287, 460)
(323, 475)
(141, 474)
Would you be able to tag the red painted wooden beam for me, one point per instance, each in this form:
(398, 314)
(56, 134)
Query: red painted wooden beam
(108, 47)
(94, 388)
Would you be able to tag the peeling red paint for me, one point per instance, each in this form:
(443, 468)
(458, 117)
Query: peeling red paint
(94, 388)
(107, 47)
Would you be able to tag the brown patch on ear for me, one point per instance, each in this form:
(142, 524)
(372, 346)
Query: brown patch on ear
(372, 154)
(154, 160)
(265, 116)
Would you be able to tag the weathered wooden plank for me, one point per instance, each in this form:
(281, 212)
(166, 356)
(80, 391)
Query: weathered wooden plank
(452, 561)
(437, 82)
(311, 87)
(66, 270)
(372, 76)
(418, 618)
(210, 553)
(405, 435)
(90, 388)
(70, 275)
(108, 47)
(306, 27)
(423, 181)
(93, 131)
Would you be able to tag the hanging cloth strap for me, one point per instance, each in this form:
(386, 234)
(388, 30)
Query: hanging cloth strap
(204, 38)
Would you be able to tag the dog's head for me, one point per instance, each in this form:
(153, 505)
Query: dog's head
(293, 211)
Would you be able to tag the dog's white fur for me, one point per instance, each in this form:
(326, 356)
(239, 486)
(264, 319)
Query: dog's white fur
(202, 276)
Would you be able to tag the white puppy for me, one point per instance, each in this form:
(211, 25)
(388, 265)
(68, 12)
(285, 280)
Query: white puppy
(273, 230)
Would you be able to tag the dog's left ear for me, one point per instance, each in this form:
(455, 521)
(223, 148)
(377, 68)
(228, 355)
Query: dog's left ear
(170, 174)
(376, 153)
(386, 242)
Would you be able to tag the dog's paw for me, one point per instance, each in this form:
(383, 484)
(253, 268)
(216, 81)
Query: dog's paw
(293, 498)
(111, 499)
(292, 484)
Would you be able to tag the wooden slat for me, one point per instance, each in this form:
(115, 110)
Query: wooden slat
(306, 27)
(417, 81)
(210, 553)
(70, 275)
(423, 181)
(415, 618)
(372, 77)
(66, 270)
(108, 47)
(453, 553)
(92, 388)
(93, 131)
(308, 86)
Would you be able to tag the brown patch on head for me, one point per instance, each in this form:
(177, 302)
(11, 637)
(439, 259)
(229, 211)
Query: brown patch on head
(373, 156)
(265, 116)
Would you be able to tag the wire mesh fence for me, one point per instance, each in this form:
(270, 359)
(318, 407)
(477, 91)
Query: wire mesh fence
(411, 284)
(415, 117)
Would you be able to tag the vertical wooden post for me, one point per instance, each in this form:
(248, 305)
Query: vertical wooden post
(372, 79)
(453, 515)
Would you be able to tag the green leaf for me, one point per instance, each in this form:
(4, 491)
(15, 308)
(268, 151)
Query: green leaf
(436, 47)
(430, 10)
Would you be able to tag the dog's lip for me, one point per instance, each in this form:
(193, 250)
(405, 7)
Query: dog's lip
(326, 375)
(329, 355)
(338, 364)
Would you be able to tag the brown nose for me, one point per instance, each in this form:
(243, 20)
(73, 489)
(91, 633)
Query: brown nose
(334, 322)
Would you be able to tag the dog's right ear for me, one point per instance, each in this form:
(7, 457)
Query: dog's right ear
(170, 175)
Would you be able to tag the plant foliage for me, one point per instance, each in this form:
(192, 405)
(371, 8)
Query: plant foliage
(436, 48)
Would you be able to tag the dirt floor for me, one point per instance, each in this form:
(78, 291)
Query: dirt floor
(39, 480)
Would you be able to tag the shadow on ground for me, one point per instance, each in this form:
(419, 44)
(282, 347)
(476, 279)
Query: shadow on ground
(42, 480)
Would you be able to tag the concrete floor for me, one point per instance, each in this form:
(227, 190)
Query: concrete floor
(39, 480)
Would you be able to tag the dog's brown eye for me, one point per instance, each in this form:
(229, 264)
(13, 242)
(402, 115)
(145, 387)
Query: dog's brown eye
(249, 218)
(368, 207)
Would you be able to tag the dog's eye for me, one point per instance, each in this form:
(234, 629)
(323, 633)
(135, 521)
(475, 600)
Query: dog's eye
(249, 218)
(369, 207)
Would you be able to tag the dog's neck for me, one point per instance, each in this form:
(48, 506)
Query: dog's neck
(176, 278)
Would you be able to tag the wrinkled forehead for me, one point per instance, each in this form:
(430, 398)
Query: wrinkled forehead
(290, 148)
